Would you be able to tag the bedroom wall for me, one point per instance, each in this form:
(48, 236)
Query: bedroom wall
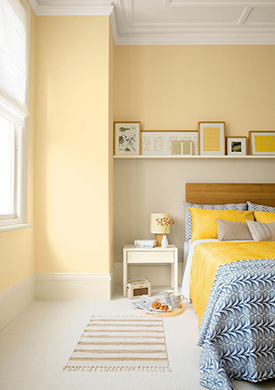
(146, 186)
(110, 155)
(172, 88)
(17, 246)
(73, 210)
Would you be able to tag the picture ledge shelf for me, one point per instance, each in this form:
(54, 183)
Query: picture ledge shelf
(141, 157)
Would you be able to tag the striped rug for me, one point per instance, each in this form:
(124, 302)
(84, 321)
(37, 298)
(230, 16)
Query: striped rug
(121, 344)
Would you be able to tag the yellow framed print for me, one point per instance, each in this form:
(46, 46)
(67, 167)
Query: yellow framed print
(127, 138)
(262, 143)
(211, 138)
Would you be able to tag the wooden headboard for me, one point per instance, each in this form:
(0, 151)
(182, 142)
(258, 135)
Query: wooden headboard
(222, 193)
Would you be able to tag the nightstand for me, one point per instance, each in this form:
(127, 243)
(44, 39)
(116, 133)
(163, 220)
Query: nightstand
(156, 255)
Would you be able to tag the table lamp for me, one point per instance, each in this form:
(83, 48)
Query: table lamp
(157, 229)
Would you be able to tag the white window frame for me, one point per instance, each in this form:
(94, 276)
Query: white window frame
(19, 219)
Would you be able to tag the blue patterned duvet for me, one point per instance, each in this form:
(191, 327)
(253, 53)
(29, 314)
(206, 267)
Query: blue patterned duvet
(237, 333)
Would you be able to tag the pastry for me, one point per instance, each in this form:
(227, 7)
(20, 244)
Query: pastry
(156, 305)
(164, 307)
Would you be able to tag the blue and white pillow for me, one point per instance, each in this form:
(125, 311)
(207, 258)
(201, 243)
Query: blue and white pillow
(188, 217)
(259, 207)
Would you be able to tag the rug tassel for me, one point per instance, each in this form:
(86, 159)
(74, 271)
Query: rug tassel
(127, 316)
(118, 369)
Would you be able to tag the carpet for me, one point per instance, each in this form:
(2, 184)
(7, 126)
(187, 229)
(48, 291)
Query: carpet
(121, 344)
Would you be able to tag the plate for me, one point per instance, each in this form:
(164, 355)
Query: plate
(145, 303)
(163, 311)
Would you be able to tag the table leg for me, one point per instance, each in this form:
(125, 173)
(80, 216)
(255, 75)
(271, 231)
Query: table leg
(124, 272)
(176, 272)
(172, 275)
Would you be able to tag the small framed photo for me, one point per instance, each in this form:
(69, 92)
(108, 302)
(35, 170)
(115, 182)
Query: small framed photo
(159, 142)
(262, 143)
(127, 138)
(182, 148)
(211, 138)
(236, 146)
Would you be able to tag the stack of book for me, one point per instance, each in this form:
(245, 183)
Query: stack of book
(144, 303)
(145, 243)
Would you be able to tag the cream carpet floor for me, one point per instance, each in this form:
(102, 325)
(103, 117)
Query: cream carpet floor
(36, 346)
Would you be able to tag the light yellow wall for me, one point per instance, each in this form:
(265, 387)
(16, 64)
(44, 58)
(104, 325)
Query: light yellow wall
(72, 95)
(17, 247)
(111, 160)
(172, 88)
(72, 165)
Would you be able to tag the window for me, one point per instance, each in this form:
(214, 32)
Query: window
(14, 58)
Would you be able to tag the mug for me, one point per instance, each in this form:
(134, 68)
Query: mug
(166, 296)
(176, 300)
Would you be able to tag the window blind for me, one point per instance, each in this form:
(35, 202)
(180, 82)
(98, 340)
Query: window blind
(13, 60)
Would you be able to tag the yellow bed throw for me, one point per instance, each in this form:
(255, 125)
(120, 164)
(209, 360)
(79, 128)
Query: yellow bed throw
(208, 257)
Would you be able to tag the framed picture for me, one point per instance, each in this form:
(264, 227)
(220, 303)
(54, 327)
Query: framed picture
(127, 139)
(262, 143)
(236, 146)
(212, 138)
(182, 148)
(159, 142)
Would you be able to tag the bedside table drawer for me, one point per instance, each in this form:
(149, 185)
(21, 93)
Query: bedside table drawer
(150, 257)
(154, 256)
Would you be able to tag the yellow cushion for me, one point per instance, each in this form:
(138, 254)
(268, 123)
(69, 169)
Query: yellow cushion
(264, 216)
(204, 223)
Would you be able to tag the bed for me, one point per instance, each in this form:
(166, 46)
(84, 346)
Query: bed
(232, 288)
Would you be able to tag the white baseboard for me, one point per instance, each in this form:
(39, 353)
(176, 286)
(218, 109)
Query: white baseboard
(76, 286)
(158, 275)
(15, 299)
(73, 286)
(113, 279)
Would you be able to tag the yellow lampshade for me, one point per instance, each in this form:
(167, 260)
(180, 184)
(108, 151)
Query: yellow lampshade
(158, 229)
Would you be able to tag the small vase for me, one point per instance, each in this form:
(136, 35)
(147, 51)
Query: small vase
(164, 242)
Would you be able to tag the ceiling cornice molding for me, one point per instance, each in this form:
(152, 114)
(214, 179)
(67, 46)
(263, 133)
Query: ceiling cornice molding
(76, 7)
(34, 5)
(218, 3)
(114, 25)
(127, 31)
(196, 39)
(245, 15)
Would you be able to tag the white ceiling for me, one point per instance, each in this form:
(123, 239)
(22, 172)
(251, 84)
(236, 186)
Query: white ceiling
(160, 22)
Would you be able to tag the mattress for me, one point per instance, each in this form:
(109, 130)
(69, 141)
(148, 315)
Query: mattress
(188, 255)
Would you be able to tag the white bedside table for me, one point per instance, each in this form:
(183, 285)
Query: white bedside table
(156, 255)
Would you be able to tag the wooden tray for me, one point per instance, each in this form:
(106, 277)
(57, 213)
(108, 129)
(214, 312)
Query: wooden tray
(172, 313)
